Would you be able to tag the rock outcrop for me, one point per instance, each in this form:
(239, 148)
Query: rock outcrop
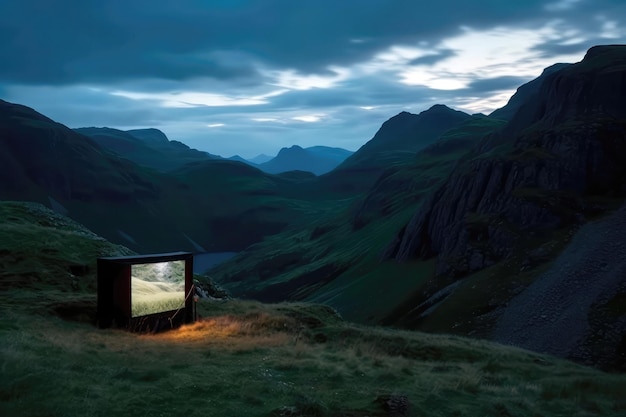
(524, 93)
(544, 170)
(573, 309)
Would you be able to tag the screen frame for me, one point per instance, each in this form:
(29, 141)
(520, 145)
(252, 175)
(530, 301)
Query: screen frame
(114, 293)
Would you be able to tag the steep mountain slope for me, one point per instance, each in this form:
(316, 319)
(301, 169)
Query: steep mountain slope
(335, 258)
(156, 139)
(37, 152)
(146, 147)
(524, 94)
(396, 142)
(559, 162)
(481, 215)
(569, 147)
(406, 132)
(46, 162)
(43, 249)
(582, 291)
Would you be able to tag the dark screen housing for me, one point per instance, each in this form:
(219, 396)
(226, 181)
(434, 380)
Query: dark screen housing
(145, 292)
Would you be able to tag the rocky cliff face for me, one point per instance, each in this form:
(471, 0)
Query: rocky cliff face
(561, 151)
(559, 163)
(525, 93)
(406, 132)
(548, 180)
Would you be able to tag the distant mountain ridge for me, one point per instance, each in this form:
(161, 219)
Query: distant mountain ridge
(259, 159)
(147, 147)
(152, 148)
(199, 205)
(150, 135)
(317, 159)
(336, 154)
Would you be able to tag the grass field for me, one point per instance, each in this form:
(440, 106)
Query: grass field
(250, 359)
(246, 358)
(157, 287)
(155, 297)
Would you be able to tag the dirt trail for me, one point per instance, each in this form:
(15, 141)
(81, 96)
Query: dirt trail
(555, 313)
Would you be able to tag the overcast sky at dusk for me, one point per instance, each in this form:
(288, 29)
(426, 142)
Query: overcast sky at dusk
(251, 76)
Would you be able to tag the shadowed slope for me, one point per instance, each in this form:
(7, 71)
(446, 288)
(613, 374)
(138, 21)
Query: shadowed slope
(146, 147)
(395, 143)
(251, 359)
(507, 211)
(215, 205)
(335, 258)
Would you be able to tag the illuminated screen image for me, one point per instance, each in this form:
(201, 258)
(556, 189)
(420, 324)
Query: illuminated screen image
(157, 287)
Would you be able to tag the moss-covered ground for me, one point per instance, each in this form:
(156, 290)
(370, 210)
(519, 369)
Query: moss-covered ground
(251, 359)
(244, 358)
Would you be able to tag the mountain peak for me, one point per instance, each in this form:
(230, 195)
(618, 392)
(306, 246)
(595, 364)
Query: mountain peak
(593, 87)
(149, 135)
(438, 107)
(294, 149)
(404, 134)
(316, 159)
(441, 110)
(606, 52)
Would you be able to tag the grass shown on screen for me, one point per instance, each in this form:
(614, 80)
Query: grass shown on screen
(157, 287)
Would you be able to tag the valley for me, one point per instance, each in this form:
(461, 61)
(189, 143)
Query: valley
(245, 357)
(313, 209)
(477, 226)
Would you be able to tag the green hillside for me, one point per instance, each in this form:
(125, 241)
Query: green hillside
(146, 147)
(245, 358)
(207, 205)
(335, 259)
(495, 229)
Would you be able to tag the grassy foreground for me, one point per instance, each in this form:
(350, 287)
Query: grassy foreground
(250, 359)
(245, 358)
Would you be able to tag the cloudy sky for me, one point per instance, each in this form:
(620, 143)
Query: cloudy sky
(251, 76)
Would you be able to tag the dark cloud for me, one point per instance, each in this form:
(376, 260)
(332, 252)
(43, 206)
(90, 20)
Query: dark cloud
(66, 58)
(67, 40)
(488, 85)
(555, 48)
(439, 55)
(79, 107)
(380, 90)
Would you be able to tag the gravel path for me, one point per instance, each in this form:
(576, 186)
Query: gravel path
(552, 315)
